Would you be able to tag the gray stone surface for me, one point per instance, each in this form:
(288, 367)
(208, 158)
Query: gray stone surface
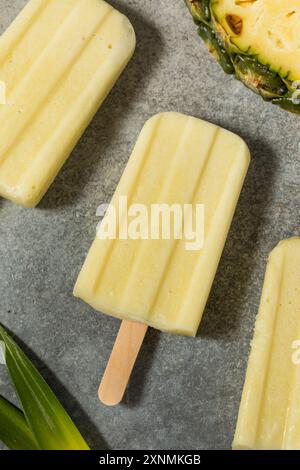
(184, 393)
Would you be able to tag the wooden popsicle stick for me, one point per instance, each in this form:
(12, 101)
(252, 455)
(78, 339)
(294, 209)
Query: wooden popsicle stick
(122, 359)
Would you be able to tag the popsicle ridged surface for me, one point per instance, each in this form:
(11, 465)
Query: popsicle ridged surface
(177, 160)
(58, 60)
(269, 416)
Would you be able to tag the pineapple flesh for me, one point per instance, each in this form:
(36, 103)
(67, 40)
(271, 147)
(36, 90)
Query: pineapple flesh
(256, 40)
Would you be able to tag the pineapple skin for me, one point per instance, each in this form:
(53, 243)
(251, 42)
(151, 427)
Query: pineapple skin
(245, 66)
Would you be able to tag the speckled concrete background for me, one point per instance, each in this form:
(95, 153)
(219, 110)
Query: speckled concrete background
(184, 393)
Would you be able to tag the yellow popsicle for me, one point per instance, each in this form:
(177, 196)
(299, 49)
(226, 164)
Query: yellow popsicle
(58, 59)
(177, 160)
(269, 416)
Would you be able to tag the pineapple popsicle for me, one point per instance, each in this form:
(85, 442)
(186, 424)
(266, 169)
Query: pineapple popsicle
(58, 60)
(269, 416)
(177, 160)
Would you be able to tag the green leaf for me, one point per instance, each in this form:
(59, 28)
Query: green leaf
(14, 431)
(52, 427)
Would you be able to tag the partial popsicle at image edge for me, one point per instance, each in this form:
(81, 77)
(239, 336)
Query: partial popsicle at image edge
(177, 160)
(269, 415)
(58, 60)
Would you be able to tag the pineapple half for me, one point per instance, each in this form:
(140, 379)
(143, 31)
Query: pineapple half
(256, 40)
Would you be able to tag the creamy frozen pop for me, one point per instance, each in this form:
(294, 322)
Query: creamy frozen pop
(177, 160)
(58, 60)
(269, 416)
